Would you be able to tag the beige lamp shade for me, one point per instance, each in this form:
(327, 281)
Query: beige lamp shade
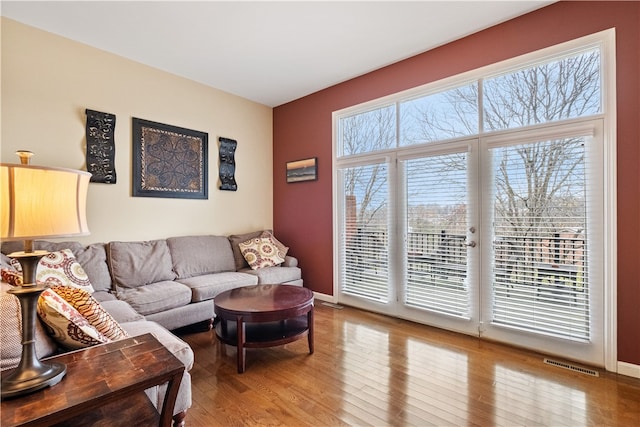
(42, 202)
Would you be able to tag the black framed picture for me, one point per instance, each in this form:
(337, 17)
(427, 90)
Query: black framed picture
(169, 161)
(302, 170)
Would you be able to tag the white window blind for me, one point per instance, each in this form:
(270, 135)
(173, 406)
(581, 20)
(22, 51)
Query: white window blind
(365, 237)
(540, 274)
(436, 255)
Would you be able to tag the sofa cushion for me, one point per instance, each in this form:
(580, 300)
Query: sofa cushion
(197, 255)
(235, 240)
(135, 264)
(121, 311)
(275, 275)
(91, 310)
(261, 252)
(67, 326)
(102, 296)
(208, 286)
(11, 332)
(61, 268)
(93, 259)
(189, 314)
(156, 297)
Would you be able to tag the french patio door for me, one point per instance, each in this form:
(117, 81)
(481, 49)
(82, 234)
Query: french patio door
(438, 218)
(497, 237)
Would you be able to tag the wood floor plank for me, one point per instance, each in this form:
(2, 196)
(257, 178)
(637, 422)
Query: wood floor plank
(369, 369)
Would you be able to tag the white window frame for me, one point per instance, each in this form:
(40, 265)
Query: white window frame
(606, 41)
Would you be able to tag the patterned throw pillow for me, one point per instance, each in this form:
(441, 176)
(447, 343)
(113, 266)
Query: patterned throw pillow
(12, 277)
(61, 268)
(66, 325)
(260, 252)
(282, 249)
(91, 310)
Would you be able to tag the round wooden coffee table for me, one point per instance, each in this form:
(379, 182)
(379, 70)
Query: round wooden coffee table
(263, 316)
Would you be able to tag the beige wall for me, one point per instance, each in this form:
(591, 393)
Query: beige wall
(48, 82)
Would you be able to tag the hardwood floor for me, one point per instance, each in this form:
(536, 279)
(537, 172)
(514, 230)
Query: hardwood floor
(369, 369)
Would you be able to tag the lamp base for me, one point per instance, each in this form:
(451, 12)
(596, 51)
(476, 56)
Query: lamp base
(31, 374)
(28, 381)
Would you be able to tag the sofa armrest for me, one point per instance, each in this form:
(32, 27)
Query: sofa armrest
(290, 261)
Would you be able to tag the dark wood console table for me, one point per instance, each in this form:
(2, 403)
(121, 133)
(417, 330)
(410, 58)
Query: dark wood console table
(264, 316)
(104, 386)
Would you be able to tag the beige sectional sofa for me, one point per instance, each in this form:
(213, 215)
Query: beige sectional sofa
(155, 286)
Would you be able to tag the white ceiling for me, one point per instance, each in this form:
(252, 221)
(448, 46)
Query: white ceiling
(268, 52)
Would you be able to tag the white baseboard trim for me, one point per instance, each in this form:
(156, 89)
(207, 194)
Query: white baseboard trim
(323, 297)
(629, 369)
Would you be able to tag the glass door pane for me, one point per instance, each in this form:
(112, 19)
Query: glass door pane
(364, 267)
(436, 234)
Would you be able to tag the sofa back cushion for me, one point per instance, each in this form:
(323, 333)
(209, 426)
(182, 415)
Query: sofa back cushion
(93, 259)
(198, 255)
(135, 264)
(40, 245)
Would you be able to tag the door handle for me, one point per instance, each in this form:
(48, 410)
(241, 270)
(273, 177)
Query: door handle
(471, 244)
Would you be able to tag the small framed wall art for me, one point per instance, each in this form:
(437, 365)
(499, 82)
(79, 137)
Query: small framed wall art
(169, 161)
(101, 148)
(302, 170)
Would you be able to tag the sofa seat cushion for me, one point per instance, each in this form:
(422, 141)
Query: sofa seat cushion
(121, 311)
(102, 296)
(186, 315)
(156, 297)
(175, 345)
(136, 264)
(197, 255)
(275, 275)
(207, 286)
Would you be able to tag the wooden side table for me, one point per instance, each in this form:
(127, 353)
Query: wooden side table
(104, 386)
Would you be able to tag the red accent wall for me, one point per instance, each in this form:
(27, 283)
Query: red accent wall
(303, 128)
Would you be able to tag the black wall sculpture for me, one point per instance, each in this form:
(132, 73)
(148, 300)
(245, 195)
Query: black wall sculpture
(101, 150)
(228, 164)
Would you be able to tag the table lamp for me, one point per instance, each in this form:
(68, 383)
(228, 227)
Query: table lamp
(36, 203)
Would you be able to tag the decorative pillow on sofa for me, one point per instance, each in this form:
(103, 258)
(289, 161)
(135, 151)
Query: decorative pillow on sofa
(12, 277)
(261, 252)
(91, 310)
(66, 325)
(235, 240)
(282, 249)
(61, 268)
